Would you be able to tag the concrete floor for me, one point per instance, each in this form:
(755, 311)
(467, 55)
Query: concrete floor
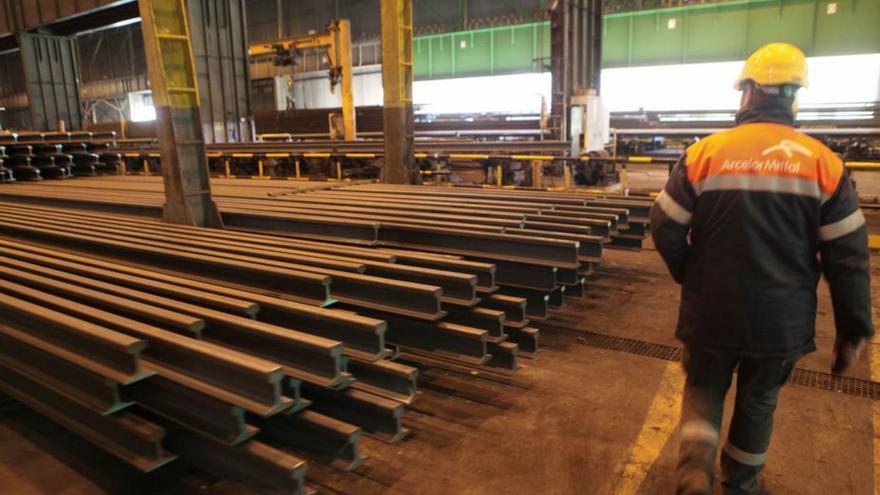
(578, 420)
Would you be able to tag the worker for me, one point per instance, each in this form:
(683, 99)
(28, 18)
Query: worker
(747, 222)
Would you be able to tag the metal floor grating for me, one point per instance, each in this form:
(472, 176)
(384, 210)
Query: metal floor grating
(803, 377)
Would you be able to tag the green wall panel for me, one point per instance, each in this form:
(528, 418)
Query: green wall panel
(615, 40)
(793, 22)
(711, 35)
(701, 33)
(732, 30)
(653, 41)
(481, 52)
(855, 28)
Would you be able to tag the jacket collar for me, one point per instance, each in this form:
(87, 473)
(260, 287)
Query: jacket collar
(767, 111)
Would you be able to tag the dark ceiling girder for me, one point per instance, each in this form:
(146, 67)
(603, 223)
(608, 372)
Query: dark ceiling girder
(81, 23)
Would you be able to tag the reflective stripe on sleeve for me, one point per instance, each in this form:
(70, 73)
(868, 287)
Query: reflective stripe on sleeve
(743, 457)
(741, 182)
(698, 430)
(840, 228)
(672, 209)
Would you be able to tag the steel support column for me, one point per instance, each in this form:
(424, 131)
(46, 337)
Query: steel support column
(575, 55)
(169, 53)
(397, 79)
(219, 46)
(50, 74)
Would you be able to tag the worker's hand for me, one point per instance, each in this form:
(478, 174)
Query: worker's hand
(846, 352)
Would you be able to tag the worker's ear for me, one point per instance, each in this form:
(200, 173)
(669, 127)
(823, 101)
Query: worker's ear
(746, 96)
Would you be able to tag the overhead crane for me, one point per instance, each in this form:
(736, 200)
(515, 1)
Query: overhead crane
(336, 43)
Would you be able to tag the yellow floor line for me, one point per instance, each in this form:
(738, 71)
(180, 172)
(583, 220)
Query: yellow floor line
(660, 423)
(874, 242)
(874, 356)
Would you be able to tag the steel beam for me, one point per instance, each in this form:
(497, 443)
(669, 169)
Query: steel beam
(514, 309)
(28, 356)
(362, 336)
(96, 348)
(165, 28)
(539, 251)
(125, 435)
(303, 356)
(244, 380)
(377, 416)
(527, 340)
(330, 440)
(385, 378)
(503, 356)
(191, 407)
(253, 462)
(397, 78)
(536, 301)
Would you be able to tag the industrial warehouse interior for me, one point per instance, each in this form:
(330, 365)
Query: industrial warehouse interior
(439, 247)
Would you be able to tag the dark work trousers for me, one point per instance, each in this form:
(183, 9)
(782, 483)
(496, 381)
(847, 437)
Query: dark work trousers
(709, 374)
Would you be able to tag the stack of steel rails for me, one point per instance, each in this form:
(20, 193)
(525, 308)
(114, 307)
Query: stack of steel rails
(323, 210)
(6, 174)
(57, 155)
(150, 365)
(251, 350)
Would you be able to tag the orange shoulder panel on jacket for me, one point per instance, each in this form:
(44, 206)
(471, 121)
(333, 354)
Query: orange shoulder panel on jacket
(830, 167)
(764, 149)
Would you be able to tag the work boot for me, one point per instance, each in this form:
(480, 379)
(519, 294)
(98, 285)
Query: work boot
(739, 478)
(696, 468)
(694, 482)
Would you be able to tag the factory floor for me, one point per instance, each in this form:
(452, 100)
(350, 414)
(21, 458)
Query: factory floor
(580, 419)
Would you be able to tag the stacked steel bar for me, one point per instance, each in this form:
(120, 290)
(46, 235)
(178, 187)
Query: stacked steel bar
(149, 366)
(58, 155)
(412, 276)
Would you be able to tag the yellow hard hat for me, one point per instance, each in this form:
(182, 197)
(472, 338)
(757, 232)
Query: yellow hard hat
(774, 64)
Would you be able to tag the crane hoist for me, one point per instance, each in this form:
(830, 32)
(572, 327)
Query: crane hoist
(336, 43)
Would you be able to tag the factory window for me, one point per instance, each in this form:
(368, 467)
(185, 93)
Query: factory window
(140, 105)
(849, 83)
(510, 94)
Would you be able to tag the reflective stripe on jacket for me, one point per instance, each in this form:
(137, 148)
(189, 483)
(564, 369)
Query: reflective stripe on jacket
(759, 202)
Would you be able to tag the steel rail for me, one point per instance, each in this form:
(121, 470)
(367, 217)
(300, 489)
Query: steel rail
(412, 299)
(456, 341)
(385, 378)
(96, 348)
(362, 336)
(371, 211)
(456, 287)
(250, 382)
(527, 339)
(485, 272)
(536, 301)
(590, 247)
(556, 298)
(302, 356)
(504, 356)
(50, 280)
(303, 286)
(306, 226)
(330, 440)
(191, 407)
(253, 462)
(125, 435)
(490, 320)
(489, 245)
(28, 356)
(279, 211)
(514, 309)
(377, 416)
(192, 295)
(482, 204)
